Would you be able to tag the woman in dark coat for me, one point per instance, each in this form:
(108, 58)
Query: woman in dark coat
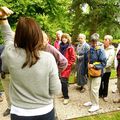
(82, 50)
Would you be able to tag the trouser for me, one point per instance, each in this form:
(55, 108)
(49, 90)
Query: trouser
(94, 85)
(48, 116)
(118, 84)
(64, 82)
(5, 84)
(0, 94)
(103, 91)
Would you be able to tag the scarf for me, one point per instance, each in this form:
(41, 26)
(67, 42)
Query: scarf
(63, 47)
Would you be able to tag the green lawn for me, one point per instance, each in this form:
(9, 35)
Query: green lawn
(1, 88)
(72, 77)
(107, 116)
(113, 74)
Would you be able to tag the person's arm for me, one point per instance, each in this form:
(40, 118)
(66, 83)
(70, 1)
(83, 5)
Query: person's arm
(116, 61)
(110, 58)
(55, 84)
(102, 60)
(72, 56)
(60, 59)
(7, 33)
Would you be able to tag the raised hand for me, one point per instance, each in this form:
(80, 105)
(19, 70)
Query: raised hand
(5, 12)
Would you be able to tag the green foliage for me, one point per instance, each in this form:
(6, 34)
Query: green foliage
(52, 15)
(102, 17)
(68, 16)
(107, 116)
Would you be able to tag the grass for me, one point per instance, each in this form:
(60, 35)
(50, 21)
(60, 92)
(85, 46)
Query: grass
(1, 88)
(113, 74)
(72, 78)
(106, 116)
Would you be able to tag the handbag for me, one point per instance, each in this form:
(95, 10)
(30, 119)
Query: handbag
(94, 72)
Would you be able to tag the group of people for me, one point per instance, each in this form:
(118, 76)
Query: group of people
(99, 56)
(35, 71)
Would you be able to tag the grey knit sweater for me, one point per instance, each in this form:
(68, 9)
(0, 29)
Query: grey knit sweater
(29, 87)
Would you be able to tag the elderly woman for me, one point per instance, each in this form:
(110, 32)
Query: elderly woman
(97, 61)
(58, 39)
(82, 50)
(110, 54)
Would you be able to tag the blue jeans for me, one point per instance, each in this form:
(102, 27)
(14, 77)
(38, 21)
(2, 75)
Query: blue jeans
(48, 116)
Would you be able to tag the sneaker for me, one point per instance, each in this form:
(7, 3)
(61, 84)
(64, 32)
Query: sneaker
(94, 108)
(105, 99)
(1, 99)
(7, 112)
(66, 101)
(116, 101)
(118, 108)
(115, 91)
(87, 104)
(82, 90)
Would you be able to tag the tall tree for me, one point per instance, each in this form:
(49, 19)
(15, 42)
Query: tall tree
(52, 15)
(102, 16)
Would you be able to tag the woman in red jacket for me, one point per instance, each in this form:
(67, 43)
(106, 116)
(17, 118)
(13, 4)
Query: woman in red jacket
(68, 51)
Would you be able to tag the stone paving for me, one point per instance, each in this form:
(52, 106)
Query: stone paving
(75, 108)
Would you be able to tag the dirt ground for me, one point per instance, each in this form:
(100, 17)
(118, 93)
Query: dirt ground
(75, 107)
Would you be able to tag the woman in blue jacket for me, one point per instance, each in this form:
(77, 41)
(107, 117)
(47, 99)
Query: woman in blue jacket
(97, 60)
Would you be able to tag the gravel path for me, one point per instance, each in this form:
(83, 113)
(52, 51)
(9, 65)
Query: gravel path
(75, 108)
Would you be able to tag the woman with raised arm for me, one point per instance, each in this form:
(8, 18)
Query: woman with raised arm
(34, 72)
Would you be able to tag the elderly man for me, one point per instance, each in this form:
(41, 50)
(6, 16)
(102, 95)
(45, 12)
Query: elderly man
(110, 54)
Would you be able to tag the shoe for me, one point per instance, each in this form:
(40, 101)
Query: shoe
(87, 104)
(7, 112)
(100, 96)
(116, 101)
(94, 108)
(83, 90)
(105, 99)
(118, 108)
(66, 101)
(115, 91)
(1, 99)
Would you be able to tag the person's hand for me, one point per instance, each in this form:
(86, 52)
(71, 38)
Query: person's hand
(5, 12)
(90, 65)
(77, 56)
